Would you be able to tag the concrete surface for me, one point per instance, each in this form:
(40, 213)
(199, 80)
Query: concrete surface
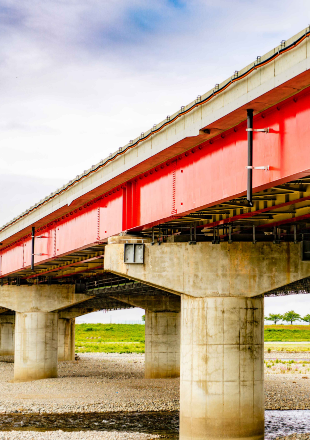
(7, 337)
(162, 344)
(66, 339)
(236, 269)
(45, 298)
(36, 341)
(162, 332)
(222, 375)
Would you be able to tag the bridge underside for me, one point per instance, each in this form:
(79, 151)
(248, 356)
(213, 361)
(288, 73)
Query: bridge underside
(279, 214)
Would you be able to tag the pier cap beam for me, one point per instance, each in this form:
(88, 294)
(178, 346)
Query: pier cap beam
(36, 327)
(205, 269)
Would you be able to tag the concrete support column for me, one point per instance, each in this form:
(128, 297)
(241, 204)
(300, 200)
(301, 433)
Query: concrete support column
(162, 344)
(36, 340)
(222, 388)
(66, 339)
(7, 329)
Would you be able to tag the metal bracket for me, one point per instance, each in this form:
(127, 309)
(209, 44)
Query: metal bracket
(229, 234)
(260, 130)
(193, 234)
(295, 234)
(264, 167)
(254, 235)
(216, 236)
(276, 235)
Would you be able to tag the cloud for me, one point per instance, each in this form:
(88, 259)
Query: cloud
(282, 304)
(79, 79)
(20, 192)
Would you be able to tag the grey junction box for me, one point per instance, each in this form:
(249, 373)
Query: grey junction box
(134, 253)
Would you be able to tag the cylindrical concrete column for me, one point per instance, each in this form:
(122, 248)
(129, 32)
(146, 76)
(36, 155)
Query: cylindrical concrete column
(7, 329)
(36, 340)
(66, 339)
(222, 383)
(162, 344)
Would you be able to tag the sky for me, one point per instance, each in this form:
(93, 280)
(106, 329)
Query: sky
(79, 79)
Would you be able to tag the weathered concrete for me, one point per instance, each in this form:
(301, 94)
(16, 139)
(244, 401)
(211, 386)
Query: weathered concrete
(36, 341)
(66, 339)
(36, 327)
(162, 332)
(7, 337)
(162, 344)
(222, 389)
(236, 269)
(45, 298)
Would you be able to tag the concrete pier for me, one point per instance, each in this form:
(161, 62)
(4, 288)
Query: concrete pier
(162, 344)
(66, 339)
(36, 341)
(162, 332)
(222, 387)
(7, 330)
(36, 326)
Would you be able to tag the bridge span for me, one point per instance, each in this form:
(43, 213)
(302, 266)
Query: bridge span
(195, 221)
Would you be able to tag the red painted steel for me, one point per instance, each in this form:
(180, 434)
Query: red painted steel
(205, 175)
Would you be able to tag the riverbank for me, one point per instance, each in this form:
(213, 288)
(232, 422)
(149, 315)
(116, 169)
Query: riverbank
(100, 382)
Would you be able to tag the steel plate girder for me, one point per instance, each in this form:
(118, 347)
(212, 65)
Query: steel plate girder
(212, 173)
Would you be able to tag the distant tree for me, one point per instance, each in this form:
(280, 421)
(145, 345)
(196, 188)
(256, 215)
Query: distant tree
(291, 316)
(275, 317)
(306, 319)
(143, 318)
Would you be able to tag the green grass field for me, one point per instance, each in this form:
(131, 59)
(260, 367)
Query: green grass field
(109, 338)
(287, 333)
(129, 338)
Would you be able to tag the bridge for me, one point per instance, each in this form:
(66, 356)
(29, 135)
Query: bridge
(195, 221)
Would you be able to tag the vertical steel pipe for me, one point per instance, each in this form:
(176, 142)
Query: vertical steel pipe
(250, 156)
(32, 247)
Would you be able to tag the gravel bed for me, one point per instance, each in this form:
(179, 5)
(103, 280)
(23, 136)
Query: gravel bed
(98, 382)
(101, 382)
(91, 435)
(292, 437)
(284, 355)
(286, 391)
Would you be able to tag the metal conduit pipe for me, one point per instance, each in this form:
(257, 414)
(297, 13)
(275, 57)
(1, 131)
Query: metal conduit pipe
(250, 156)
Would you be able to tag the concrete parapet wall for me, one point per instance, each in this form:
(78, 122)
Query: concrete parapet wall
(204, 269)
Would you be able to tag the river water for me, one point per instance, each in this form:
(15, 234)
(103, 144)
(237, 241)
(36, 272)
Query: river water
(277, 423)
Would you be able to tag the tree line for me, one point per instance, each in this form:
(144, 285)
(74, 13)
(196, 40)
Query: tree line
(290, 316)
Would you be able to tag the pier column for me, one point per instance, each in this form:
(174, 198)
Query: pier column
(66, 339)
(36, 340)
(7, 328)
(162, 344)
(222, 388)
